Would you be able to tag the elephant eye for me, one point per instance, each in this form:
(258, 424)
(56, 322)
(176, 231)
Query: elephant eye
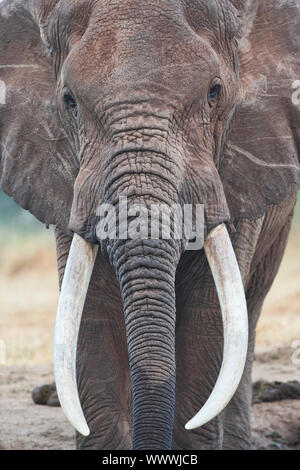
(69, 99)
(213, 95)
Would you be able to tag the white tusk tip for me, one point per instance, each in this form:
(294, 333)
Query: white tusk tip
(83, 429)
(85, 432)
(191, 425)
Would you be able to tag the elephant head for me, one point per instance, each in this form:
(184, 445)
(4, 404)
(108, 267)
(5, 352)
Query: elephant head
(106, 99)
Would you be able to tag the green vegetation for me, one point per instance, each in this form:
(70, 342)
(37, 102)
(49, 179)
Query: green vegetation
(16, 221)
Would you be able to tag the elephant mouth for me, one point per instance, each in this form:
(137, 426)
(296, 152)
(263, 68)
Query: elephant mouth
(228, 282)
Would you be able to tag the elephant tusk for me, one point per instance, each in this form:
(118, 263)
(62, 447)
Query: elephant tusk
(228, 281)
(74, 288)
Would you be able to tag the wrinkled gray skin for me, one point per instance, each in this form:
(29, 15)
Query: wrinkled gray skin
(131, 82)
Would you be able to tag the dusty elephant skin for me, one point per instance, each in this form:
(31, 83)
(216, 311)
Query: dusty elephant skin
(186, 102)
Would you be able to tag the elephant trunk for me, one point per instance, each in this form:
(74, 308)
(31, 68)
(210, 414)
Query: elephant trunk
(145, 265)
(146, 271)
(145, 268)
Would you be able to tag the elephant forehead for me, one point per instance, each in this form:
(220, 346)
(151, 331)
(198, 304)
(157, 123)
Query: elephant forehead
(204, 17)
(155, 33)
(121, 49)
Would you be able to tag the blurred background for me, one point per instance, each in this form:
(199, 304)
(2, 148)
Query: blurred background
(28, 285)
(29, 289)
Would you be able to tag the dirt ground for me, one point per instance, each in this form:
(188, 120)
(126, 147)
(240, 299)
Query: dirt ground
(28, 298)
(31, 427)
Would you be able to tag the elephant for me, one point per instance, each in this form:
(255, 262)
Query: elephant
(185, 102)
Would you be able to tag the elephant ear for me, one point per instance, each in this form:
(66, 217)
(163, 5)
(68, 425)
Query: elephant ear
(35, 159)
(260, 163)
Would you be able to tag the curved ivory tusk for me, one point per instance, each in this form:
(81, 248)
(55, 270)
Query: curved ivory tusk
(227, 277)
(74, 288)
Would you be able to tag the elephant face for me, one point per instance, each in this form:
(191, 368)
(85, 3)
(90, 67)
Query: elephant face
(107, 99)
(128, 106)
